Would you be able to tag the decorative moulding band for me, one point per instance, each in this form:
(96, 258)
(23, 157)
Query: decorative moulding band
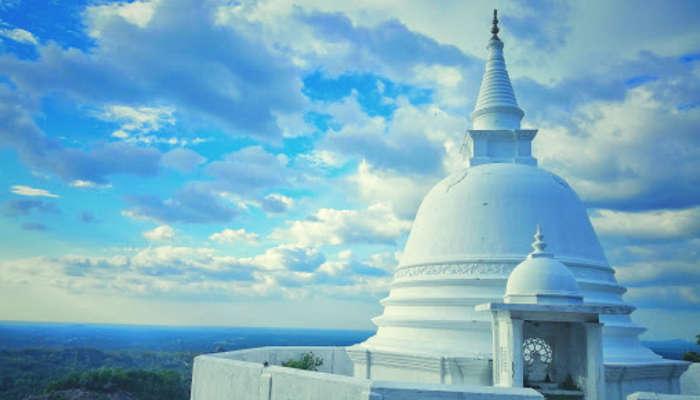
(497, 109)
(471, 324)
(507, 258)
(436, 301)
(472, 269)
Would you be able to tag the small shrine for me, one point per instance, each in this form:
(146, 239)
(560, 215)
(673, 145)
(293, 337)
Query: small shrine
(544, 335)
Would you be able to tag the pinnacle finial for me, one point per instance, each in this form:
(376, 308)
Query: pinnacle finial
(494, 29)
(539, 245)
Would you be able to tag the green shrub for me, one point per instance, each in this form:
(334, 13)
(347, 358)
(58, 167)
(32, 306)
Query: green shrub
(691, 356)
(307, 361)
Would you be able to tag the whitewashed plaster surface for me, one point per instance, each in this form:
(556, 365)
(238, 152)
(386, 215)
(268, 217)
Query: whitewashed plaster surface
(474, 227)
(224, 376)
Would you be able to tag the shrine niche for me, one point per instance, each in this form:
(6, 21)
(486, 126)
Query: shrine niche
(538, 358)
(544, 336)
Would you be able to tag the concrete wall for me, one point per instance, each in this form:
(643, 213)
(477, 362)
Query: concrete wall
(335, 359)
(418, 391)
(660, 396)
(623, 379)
(240, 375)
(690, 380)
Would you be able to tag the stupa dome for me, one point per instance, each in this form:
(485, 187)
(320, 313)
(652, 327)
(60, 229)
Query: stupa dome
(484, 212)
(542, 279)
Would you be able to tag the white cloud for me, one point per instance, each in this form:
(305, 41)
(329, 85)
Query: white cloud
(138, 119)
(19, 35)
(138, 13)
(235, 235)
(290, 257)
(377, 224)
(403, 192)
(183, 160)
(660, 224)
(324, 158)
(637, 154)
(249, 171)
(276, 203)
(686, 296)
(161, 233)
(89, 184)
(30, 191)
(120, 134)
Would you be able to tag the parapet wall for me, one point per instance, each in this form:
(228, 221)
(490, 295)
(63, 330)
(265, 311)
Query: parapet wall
(660, 396)
(240, 375)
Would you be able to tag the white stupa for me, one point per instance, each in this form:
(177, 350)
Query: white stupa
(472, 313)
(469, 233)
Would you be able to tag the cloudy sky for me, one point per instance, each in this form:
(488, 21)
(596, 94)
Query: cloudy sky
(260, 163)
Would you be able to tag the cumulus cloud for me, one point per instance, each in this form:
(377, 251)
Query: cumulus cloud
(161, 233)
(404, 193)
(388, 48)
(398, 145)
(658, 224)
(639, 154)
(236, 81)
(685, 297)
(377, 224)
(346, 269)
(183, 160)
(164, 271)
(19, 35)
(79, 183)
(193, 204)
(234, 235)
(276, 203)
(30, 191)
(290, 257)
(138, 119)
(190, 272)
(18, 130)
(249, 170)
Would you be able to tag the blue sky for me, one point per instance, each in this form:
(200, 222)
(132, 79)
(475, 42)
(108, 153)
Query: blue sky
(260, 163)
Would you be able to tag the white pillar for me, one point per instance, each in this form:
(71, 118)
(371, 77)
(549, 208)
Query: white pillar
(517, 352)
(595, 379)
(508, 351)
(495, 350)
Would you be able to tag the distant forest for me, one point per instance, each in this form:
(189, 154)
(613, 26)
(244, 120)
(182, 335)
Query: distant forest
(148, 362)
(127, 362)
(28, 372)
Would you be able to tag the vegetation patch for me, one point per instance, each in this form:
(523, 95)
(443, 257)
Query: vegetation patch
(142, 384)
(307, 361)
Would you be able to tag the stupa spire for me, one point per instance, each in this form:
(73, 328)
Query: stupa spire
(496, 107)
(539, 245)
(494, 28)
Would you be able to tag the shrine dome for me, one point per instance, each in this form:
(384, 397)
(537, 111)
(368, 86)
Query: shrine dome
(542, 279)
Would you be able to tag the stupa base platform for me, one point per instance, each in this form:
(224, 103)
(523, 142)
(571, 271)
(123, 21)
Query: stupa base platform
(622, 379)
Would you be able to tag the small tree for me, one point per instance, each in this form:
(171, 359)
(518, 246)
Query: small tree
(307, 361)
